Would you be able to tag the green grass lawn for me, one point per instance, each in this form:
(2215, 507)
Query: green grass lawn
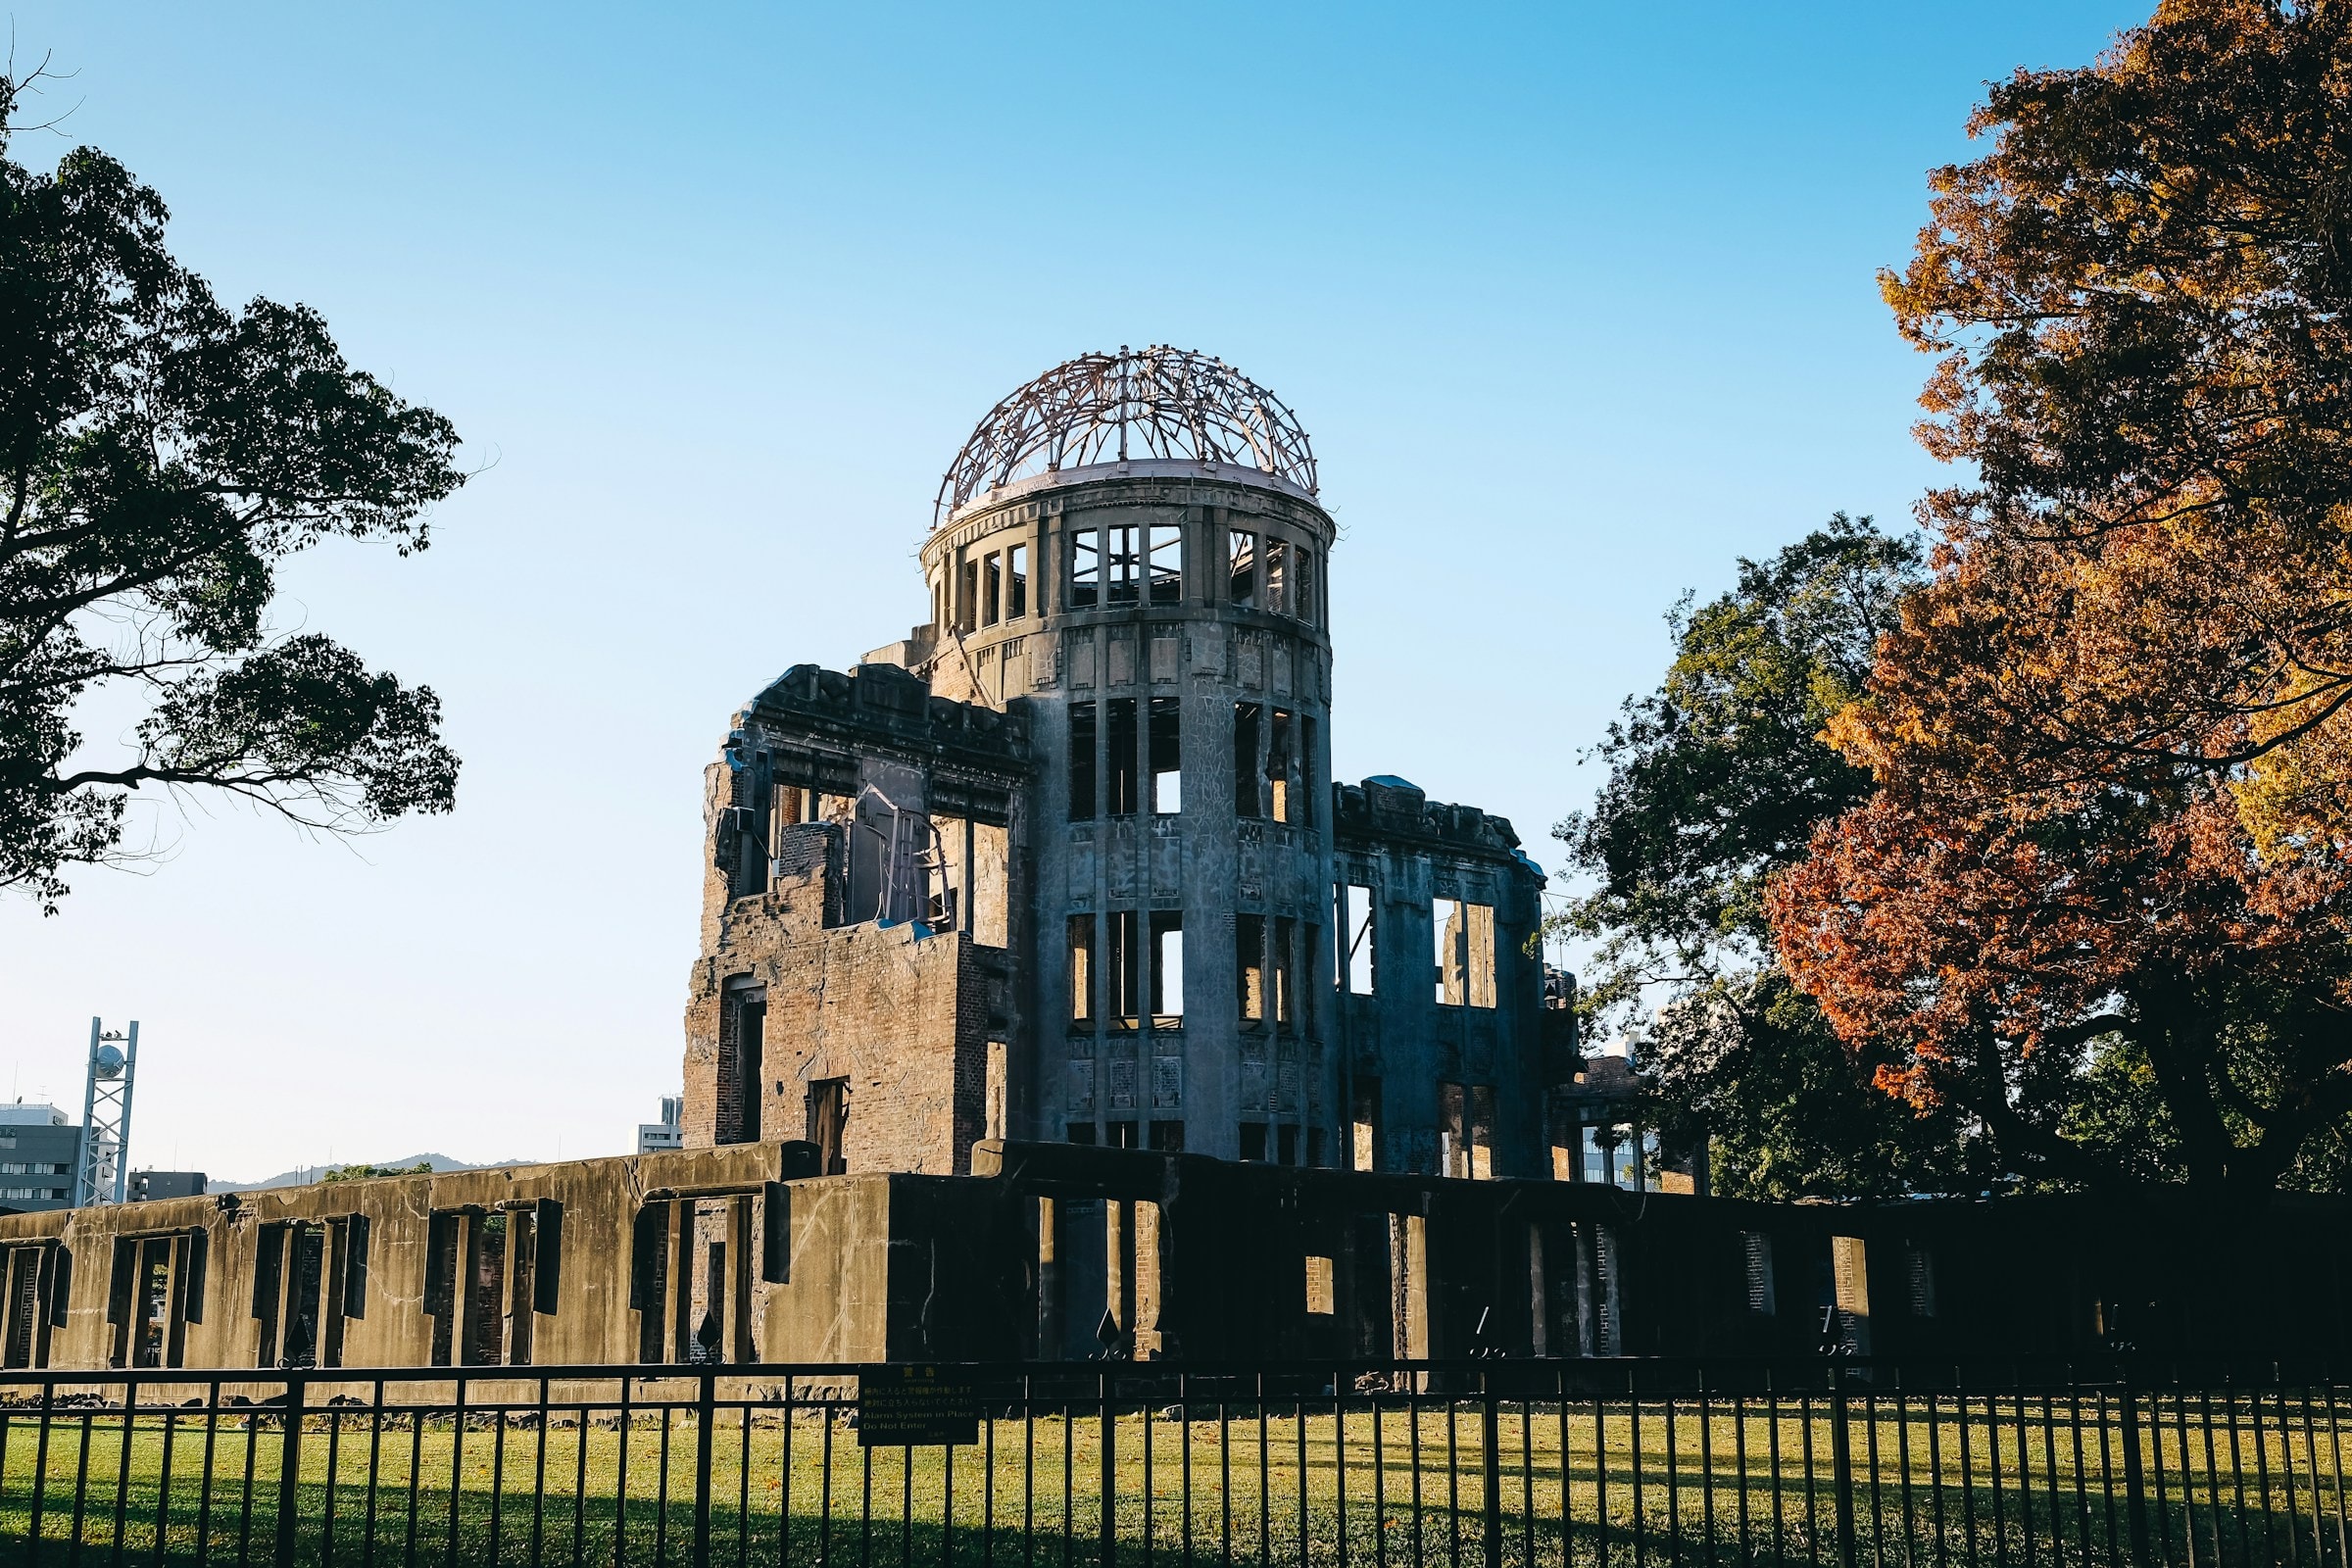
(803, 1491)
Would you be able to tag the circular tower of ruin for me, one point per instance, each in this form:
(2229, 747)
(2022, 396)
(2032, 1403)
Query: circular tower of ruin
(1132, 543)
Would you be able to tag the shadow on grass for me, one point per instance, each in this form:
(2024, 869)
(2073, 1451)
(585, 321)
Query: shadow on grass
(527, 1528)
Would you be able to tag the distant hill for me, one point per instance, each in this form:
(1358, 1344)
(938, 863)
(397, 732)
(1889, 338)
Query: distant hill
(304, 1175)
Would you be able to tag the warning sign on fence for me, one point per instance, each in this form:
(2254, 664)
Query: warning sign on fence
(899, 1405)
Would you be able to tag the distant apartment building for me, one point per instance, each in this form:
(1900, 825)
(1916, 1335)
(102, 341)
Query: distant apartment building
(39, 1153)
(668, 1132)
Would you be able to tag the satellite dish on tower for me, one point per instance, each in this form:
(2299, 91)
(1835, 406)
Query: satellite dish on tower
(100, 1174)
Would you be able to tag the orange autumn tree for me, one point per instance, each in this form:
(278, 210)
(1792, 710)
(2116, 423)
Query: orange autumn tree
(2104, 972)
(2099, 897)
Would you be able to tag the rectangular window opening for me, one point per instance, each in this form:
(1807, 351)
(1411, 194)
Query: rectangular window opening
(1123, 742)
(992, 589)
(1305, 594)
(1482, 1132)
(1119, 1134)
(1123, 546)
(1453, 1145)
(1249, 966)
(1365, 1124)
(1082, 968)
(1253, 1141)
(1277, 591)
(1241, 558)
(970, 607)
(1017, 582)
(1166, 544)
(1318, 1287)
(1249, 797)
(1361, 953)
(1167, 1136)
(1086, 569)
(1286, 1144)
(1167, 968)
(828, 1124)
(1166, 758)
(1446, 920)
(1280, 781)
(1082, 761)
(1081, 1133)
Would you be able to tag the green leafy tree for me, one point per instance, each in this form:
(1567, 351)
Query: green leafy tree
(1717, 781)
(161, 455)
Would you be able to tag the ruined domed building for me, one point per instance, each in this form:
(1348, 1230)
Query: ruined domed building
(1054, 1002)
(1068, 862)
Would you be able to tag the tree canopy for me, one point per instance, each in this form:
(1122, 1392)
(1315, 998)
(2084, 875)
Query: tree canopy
(2097, 900)
(161, 455)
(1717, 781)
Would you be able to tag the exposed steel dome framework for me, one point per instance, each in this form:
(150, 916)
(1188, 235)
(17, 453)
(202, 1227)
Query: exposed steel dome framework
(1157, 401)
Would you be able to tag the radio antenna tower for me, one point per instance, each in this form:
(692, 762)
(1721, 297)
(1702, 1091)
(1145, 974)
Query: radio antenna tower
(105, 1166)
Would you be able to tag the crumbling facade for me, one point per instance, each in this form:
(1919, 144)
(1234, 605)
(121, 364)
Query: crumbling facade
(1067, 863)
(1052, 1002)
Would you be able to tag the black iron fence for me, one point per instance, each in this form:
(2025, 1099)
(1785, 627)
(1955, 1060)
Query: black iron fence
(1388, 1466)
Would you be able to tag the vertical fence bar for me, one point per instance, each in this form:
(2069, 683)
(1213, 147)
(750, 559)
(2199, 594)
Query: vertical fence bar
(2136, 1496)
(2187, 1468)
(2205, 1421)
(1841, 1461)
(1413, 1417)
(2335, 1451)
(1110, 1473)
(498, 1480)
(1633, 1416)
(163, 1488)
(1601, 1477)
(289, 1472)
(2311, 1462)
(579, 1481)
(705, 1398)
(1738, 1449)
(1491, 1463)
(334, 1472)
(131, 1404)
(539, 1482)
(1674, 1480)
(40, 1463)
(1298, 1414)
(2164, 1521)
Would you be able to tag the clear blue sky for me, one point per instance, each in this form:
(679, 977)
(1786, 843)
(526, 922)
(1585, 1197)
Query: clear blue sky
(1576, 300)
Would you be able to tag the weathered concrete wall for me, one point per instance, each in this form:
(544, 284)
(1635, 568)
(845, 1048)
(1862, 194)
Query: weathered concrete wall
(841, 982)
(219, 1310)
(1054, 1251)
(1209, 1259)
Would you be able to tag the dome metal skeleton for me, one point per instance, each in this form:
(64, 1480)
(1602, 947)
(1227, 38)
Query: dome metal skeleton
(1158, 402)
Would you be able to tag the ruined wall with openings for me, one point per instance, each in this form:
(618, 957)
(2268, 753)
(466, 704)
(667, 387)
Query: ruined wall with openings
(855, 986)
(1440, 1002)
